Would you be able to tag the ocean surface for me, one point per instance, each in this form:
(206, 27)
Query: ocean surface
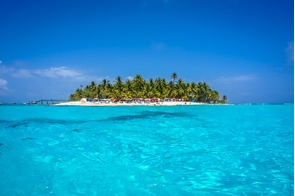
(178, 150)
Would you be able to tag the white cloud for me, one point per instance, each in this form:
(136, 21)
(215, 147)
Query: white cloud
(3, 86)
(237, 78)
(57, 72)
(53, 72)
(0, 62)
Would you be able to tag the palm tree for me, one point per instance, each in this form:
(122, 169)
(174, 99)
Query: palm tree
(153, 89)
(98, 91)
(105, 88)
(92, 85)
(138, 85)
(213, 96)
(160, 86)
(174, 77)
(194, 90)
(180, 89)
(224, 99)
(91, 88)
(127, 89)
(204, 92)
(148, 90)
(118, 87)
(76, 96)
(151, 83)
(104, 83)
(171, 90)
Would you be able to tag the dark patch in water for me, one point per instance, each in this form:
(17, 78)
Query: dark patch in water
(26, 122)
(127, 117)
(147, 115)
(10, 123)
(14, 125)
(27, 138)
(141, 115)
(5, 121)
(164, 114)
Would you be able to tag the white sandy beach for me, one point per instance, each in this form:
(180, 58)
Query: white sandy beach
(168, 103)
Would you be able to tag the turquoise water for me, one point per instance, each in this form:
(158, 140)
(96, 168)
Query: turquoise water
(181, 150)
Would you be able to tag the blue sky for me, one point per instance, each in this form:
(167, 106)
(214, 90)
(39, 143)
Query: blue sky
(243, 49)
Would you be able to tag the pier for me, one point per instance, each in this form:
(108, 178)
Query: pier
(46, 102)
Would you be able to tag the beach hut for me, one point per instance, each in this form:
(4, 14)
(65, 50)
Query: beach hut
(83, 100)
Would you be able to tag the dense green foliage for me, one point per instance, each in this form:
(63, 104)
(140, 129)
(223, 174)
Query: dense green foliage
(140, 88)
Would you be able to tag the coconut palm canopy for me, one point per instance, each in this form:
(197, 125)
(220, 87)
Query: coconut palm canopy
(138, 87)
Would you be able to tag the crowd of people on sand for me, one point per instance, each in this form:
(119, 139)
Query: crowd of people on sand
(130, 101)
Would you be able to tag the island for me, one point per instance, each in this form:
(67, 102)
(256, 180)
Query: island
(138, 91)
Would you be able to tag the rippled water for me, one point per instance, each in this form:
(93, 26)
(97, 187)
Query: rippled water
(181, 150)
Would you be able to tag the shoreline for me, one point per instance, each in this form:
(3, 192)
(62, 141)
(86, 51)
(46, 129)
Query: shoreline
(170, 103)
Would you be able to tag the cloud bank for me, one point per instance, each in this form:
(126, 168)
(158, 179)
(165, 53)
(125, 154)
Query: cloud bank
(34, 84)
(52, 72)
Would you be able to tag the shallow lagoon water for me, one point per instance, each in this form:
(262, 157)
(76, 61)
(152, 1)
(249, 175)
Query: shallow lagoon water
(179, 150)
